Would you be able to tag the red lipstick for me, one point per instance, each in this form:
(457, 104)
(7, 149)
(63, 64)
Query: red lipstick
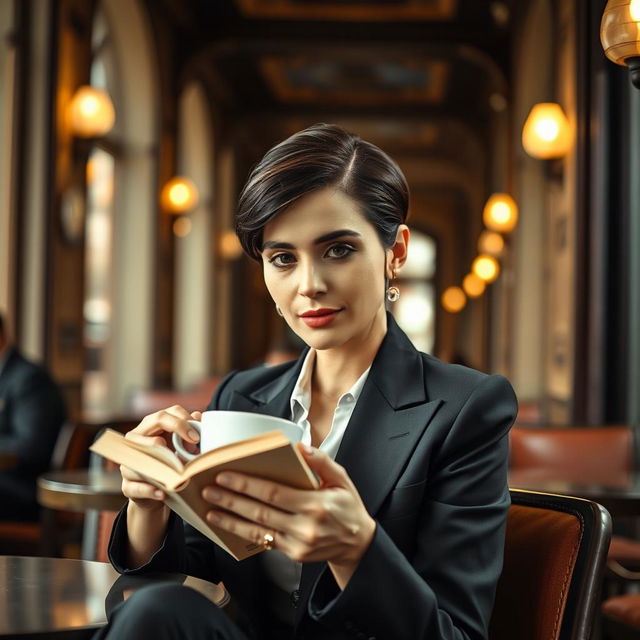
(317, 318)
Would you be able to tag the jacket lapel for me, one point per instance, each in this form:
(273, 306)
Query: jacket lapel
(390, 417)
(274, 398)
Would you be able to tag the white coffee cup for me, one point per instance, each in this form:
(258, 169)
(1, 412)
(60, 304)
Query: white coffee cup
(219, 428)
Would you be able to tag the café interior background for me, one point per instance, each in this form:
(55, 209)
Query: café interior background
(117, 286)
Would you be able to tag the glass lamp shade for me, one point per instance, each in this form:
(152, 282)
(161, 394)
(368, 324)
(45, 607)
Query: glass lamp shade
(546, 132)
(473, 285)
(620, 30)
(453, 299)
(500, 213)
(91, 112)
(179, 195)
(486, 267)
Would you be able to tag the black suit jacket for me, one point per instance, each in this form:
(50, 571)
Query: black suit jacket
(31, 414)
(427, 449)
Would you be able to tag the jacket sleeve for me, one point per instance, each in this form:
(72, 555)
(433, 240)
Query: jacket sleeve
(183, 550)
(446, 589)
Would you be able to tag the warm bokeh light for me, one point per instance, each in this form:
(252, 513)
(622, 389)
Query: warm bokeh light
(546, 132)
(634, 10)
(454, 299)
(500, 213)
(486, 267)
(179, 195)
(473, 285)
(229, 245)
(182, 227)
(91, 112)
(490, 242)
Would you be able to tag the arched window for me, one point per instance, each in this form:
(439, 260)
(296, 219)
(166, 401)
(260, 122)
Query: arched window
(121, 211)
(415, 311)
(98, 276)
(194, 282)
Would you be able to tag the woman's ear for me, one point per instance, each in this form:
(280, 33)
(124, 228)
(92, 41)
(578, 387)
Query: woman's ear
(397, 254)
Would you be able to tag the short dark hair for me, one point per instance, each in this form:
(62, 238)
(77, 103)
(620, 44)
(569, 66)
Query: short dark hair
(322, 155)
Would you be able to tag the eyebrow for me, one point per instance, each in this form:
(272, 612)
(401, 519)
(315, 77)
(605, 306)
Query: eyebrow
(340, 233)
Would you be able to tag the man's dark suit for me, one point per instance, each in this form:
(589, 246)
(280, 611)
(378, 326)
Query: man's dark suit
(31, 414)
(427, 449)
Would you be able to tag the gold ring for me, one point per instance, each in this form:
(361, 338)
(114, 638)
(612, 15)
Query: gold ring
(267, 541)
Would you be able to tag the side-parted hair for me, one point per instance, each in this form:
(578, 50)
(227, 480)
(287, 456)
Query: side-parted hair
(323, 155)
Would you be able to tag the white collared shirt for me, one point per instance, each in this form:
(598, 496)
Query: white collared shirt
(281, 570)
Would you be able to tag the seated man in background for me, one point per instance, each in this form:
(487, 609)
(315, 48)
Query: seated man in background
(32, 412)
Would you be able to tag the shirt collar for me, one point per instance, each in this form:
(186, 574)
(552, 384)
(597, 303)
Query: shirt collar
(301, 395)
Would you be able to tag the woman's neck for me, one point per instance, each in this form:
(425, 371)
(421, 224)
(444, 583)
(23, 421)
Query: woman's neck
(336, 370)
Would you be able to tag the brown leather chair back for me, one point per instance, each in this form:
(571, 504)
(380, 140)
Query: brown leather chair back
(555, 553)
(602, 454)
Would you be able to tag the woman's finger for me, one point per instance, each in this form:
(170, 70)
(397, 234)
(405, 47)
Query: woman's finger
(172, 420)
(248, 509)
(330, 472)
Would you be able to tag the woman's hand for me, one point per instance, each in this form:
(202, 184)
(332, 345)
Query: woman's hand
(156, 428)
(330, 524)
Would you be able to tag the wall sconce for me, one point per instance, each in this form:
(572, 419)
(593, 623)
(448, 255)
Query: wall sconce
(179, 195)
(620, 35)
(473, 285)
(546, 132)
(491, 242)
(453, 299)
(500, 213)
(91, 113)
(486, 267)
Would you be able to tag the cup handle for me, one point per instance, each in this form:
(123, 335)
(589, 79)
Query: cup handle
(177, 442)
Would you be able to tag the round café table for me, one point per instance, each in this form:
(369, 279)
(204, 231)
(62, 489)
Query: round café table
(59, 598)
(88, 490)
(617, 491)
(81, 490)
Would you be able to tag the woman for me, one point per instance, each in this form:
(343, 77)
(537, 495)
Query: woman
(404, 538)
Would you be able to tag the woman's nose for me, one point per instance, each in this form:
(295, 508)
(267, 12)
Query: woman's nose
(311, 281)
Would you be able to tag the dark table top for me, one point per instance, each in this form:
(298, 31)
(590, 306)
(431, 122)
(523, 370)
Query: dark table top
(61, 598)
(81, 490)
(618, 492)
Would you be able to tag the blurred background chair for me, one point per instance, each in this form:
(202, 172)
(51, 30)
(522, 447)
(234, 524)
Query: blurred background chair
(145, 401)
(606, 456)
(555, 555)
(36, 538)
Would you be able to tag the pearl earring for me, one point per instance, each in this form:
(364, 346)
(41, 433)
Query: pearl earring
(393, 293)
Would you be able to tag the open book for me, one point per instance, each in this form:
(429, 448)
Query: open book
(270, 455)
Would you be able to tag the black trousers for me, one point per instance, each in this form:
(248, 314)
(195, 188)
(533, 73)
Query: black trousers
(169, 612)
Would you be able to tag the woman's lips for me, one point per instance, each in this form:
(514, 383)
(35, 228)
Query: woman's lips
(319, 318)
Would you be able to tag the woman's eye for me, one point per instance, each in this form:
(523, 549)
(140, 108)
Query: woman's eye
(340, 251)
(282, 259)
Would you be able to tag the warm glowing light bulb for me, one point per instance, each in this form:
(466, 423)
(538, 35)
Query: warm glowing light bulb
(490, 242)
(91, 112)
(546, 132)
(486, 267)
(454, 299)
(547, 129)
(179, 195)
(473, 285)
(634, 10)
(500, 213)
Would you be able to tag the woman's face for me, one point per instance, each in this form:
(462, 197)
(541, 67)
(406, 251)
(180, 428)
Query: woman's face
(325, 267)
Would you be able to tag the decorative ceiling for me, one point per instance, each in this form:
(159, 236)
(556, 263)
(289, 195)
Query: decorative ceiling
(423, 78)
(368, 10)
